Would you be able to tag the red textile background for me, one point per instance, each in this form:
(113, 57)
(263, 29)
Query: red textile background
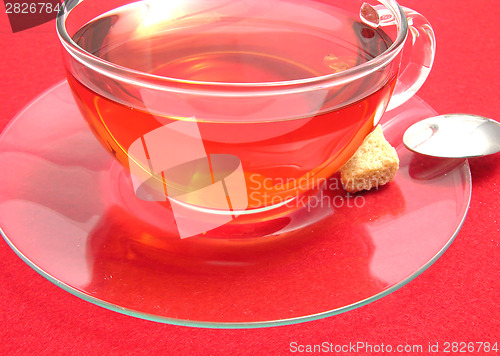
(455, 300)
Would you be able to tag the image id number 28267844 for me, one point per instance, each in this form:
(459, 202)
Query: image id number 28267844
(31, 7)
(480, 347)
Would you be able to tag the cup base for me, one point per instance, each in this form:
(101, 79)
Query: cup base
(265, 227)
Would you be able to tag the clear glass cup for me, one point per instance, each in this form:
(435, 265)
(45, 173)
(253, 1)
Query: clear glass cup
(229, 108)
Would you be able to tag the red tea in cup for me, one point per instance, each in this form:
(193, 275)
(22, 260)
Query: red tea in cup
(238, 106)
(256, 59)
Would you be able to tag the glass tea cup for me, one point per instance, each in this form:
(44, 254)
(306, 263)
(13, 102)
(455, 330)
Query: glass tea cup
(226, 108)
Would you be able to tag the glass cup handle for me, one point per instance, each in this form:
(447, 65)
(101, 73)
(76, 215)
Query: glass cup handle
(417, 58)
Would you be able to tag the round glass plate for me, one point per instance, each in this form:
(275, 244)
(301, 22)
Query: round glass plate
(63, 211)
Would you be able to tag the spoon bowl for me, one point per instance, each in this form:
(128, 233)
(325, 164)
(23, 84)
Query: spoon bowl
(454, 136)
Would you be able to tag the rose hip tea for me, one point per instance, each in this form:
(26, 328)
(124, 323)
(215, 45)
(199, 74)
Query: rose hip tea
(246, 73)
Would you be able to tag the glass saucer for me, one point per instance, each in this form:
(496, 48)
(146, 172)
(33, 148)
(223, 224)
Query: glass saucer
(65, 211)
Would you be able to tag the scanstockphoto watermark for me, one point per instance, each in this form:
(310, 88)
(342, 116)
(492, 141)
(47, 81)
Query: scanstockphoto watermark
(207, 191)
(324, 200)
(360, 347)
(363, 347)
(329, 192)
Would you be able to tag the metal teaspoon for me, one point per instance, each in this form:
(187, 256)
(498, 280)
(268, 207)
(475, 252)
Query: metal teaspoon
(454, 136)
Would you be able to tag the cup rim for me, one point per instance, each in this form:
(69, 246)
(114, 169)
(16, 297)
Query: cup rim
(161, 82)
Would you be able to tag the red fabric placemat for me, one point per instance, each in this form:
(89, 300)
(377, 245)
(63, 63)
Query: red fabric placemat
(455, 300)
